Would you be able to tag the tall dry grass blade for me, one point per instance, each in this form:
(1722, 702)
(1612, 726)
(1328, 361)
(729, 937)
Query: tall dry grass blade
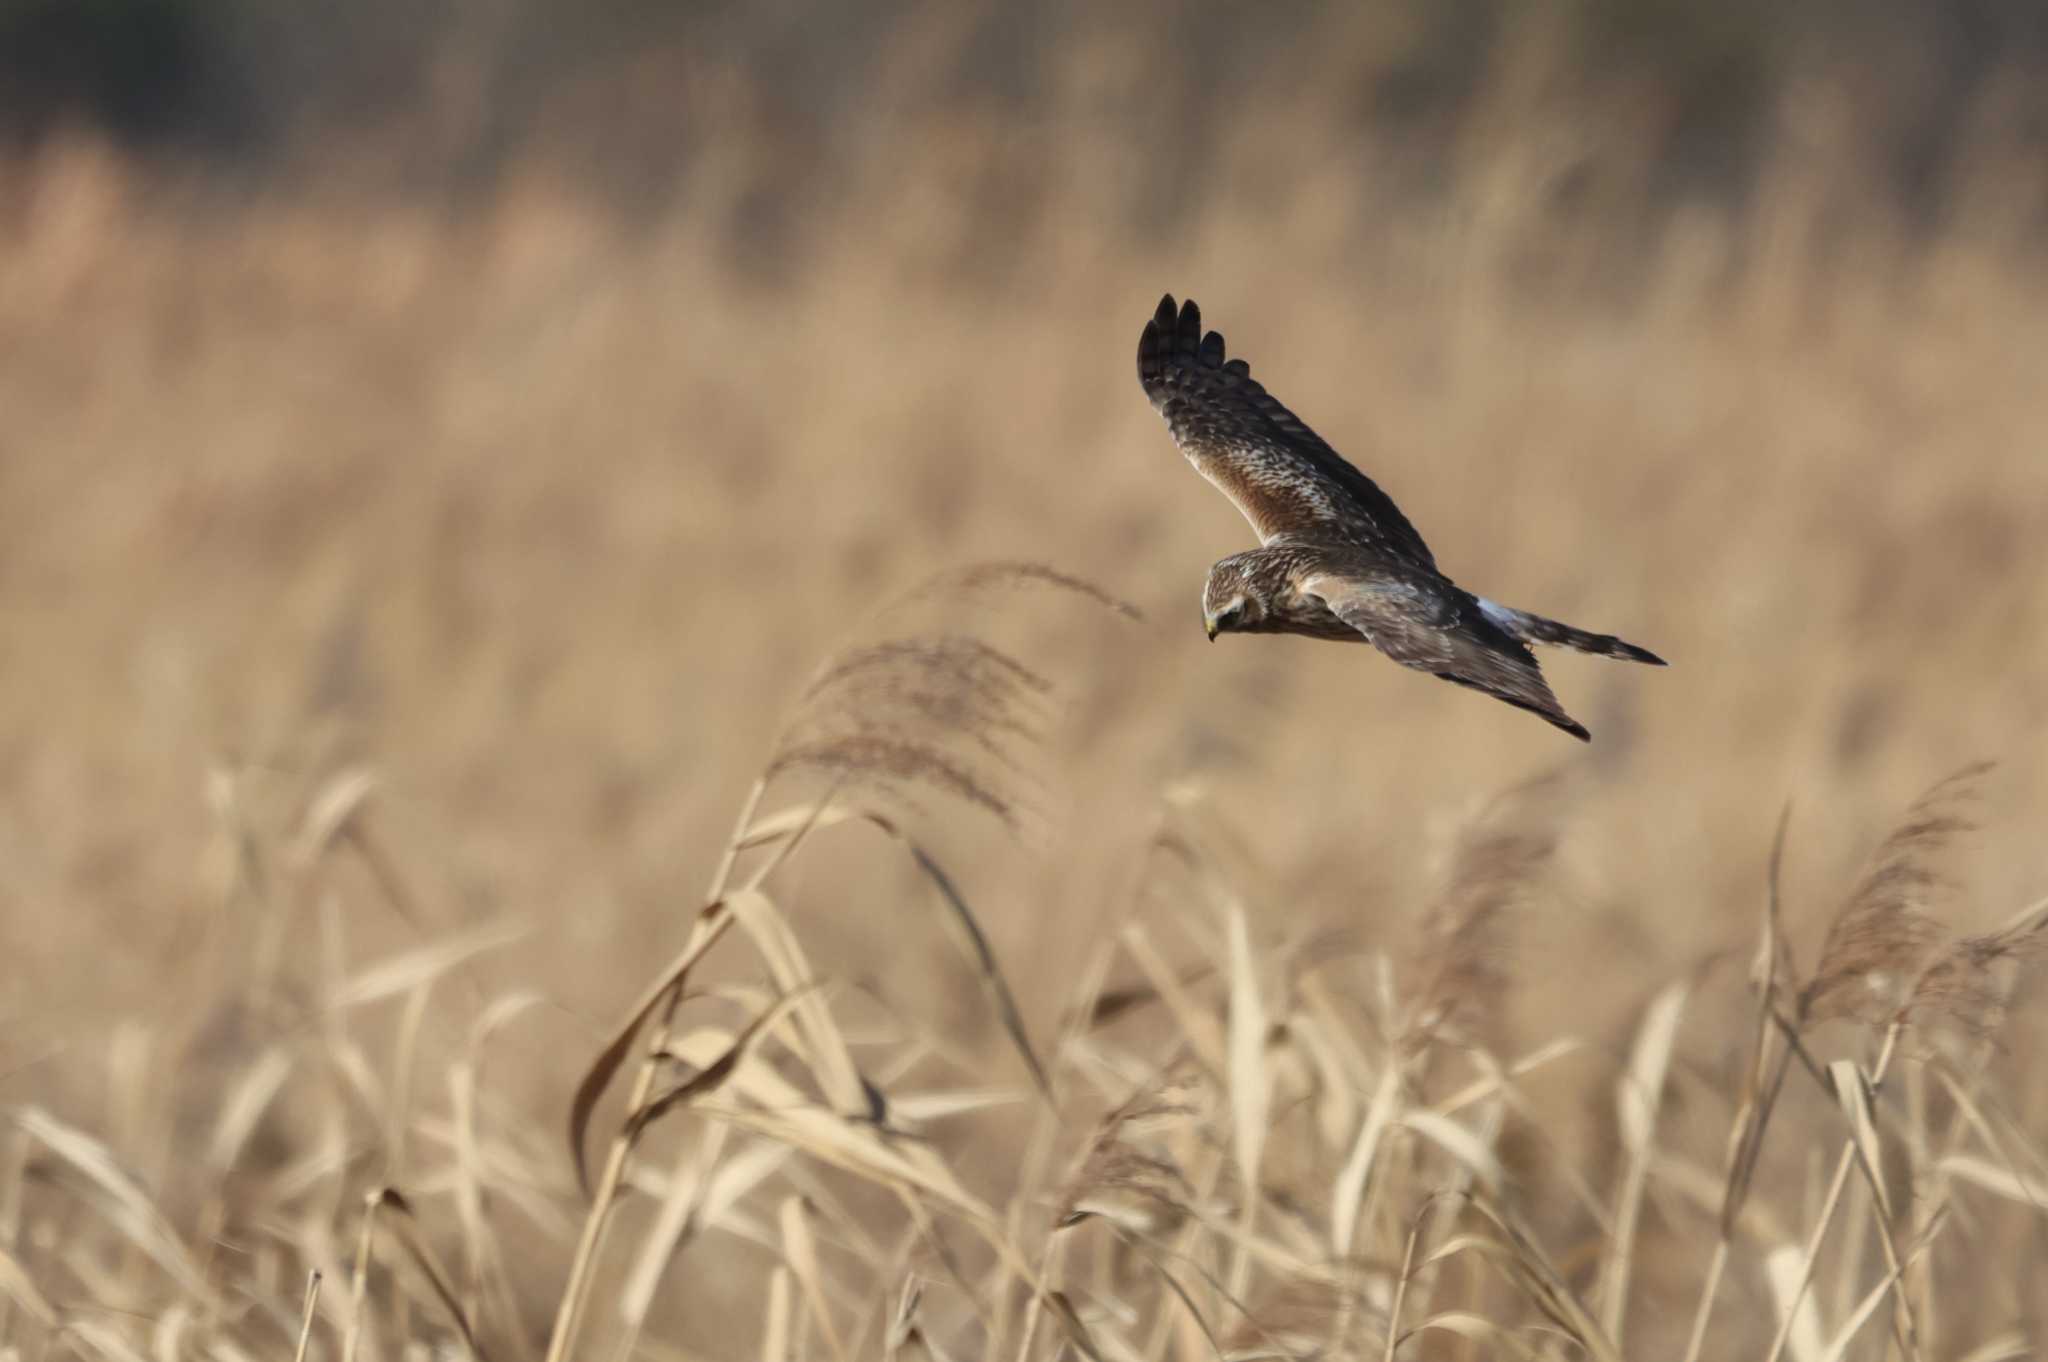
(119, 1199)
(405, 1049)
(422, 1256)
(1852, 1093)
(860, 1149)
(1191, 1312)
(1971, 1113)
(664, 996)
(1544, 1285)
(334, 805)
(1696, 1338)
(786, 846)
(359, 1289)
(1771, 971)
(800, 1252)
(1799, 1328)
(1348, 1203)
(1774, 966)
(1052, 1263)
(1496, 1080)
(1015, 1307)
(1063, 1310)
(825, 1050)
(246, 1102)
(1197, 1026)
(783, 1114)
(775, 1329)
(711, 923)
(21, 1289)
(104, 1338)
(1752, 1117)
(1637, 1098)
(1250, 1084)
(1838, 1347)
(419, 967)
(729, 1181)
(799, 821)
(250, 1097)
(719, 1071)
(167, 1336)
(906, 1336)
(913, 1109)
(665, 1234)
(902, 1331)
(1475, 1329)
(1415, 1224)
(1466, 1148)
(1336, 1102)
(483, 1267)
(987, 972)
(2000, 1348)
(306, 1315)
(1999, 1179)
(359, 833)
(1791, 1274)
(787, 828)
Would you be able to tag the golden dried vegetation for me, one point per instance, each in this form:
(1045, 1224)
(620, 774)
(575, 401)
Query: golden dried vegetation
(404, 599)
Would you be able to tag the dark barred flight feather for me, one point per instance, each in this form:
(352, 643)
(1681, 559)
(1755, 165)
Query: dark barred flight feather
(1257, 452)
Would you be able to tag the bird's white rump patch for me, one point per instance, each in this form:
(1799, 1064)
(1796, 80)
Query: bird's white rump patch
(1498, 613)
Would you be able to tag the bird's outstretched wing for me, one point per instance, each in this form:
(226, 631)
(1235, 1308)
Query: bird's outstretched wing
(1436, 628)
(1277, 471)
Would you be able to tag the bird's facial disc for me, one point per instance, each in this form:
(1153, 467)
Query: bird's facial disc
(1226, 617)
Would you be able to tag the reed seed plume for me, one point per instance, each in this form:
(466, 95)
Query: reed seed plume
(1456, 965)
(1968, 983)
(948, 715)
(1126, 1172)
(1298, 1317)
(1015, 575)
(935, 711)
(1883, 935)
(1141, 1193)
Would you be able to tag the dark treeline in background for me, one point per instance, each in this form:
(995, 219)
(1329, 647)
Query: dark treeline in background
(629, 93)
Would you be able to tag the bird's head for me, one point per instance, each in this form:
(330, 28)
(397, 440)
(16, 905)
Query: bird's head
(1231, 599)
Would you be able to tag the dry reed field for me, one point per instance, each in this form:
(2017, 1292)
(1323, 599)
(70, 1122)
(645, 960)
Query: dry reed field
(637, 776)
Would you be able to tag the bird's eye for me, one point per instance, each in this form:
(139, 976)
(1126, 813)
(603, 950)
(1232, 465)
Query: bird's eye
(1230, 616)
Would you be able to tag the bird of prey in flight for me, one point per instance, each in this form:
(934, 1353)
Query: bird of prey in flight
(1336, 558)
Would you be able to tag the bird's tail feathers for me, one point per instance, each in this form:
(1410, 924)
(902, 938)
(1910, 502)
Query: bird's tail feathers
(1534, 628)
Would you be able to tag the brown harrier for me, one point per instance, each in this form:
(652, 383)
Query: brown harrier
(1336, 558)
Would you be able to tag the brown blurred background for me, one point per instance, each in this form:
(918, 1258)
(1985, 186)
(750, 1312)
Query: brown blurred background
(521, 399)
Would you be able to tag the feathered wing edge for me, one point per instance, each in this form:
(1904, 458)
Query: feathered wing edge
(1174, 339)
(1465, 647)
(1178, 362)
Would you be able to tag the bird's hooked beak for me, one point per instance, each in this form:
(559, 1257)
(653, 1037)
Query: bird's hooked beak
(1209, 623)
